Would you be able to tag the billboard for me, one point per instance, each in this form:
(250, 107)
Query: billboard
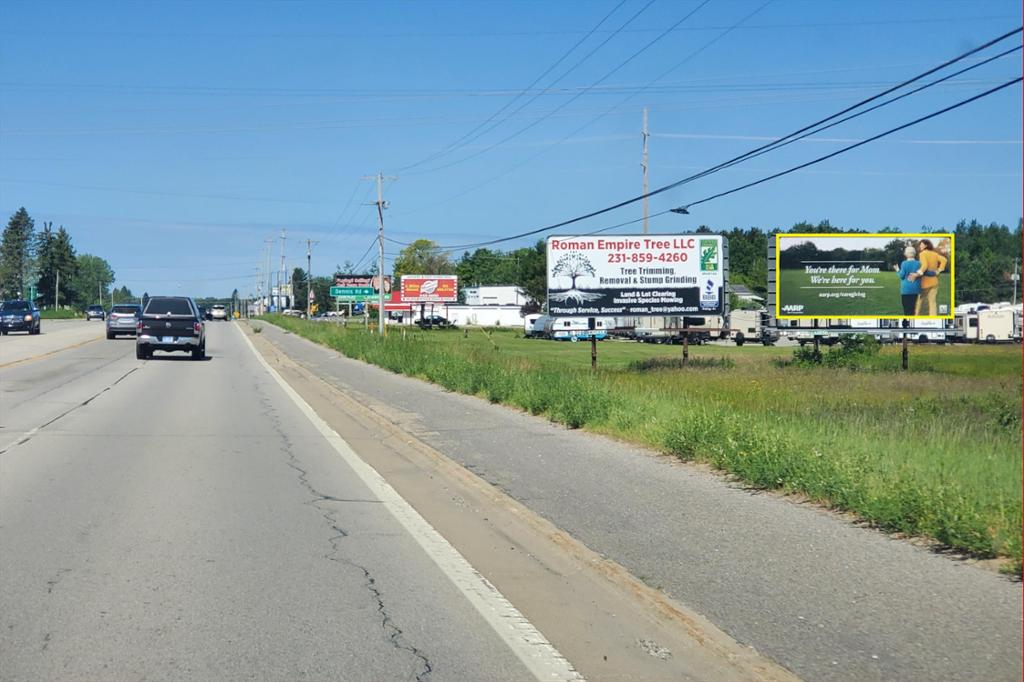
(854, 276)
(636, 275)
(359, 287)
(430, 288)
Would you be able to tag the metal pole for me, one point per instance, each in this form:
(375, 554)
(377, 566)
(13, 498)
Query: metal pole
(1016, 278)
(309, 276)
(270, 245)
(56, 292)
(643, 164)
(380, 244)
(282, 277)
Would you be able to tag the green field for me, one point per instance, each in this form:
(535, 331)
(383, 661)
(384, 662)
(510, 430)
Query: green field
(876, 303)
(934, 452)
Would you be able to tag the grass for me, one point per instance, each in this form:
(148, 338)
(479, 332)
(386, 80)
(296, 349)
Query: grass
(885, 301)
(935, 452)
(61, 314)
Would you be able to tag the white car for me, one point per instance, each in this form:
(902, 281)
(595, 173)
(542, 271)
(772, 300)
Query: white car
(218, 312)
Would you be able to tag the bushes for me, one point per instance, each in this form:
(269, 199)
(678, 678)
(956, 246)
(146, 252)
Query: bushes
(935, 456)
(854, 351)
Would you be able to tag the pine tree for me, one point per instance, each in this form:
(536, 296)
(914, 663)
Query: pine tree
(16, 255)
(55, 254)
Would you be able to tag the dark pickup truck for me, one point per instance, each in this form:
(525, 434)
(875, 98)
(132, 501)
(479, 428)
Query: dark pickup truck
(170, 323)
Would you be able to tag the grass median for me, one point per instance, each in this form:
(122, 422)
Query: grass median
(935, 452)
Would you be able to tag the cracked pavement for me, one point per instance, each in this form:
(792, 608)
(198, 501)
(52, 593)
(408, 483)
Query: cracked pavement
(171, 520)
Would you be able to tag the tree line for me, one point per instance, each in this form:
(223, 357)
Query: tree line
(984, 259)
(43, 266)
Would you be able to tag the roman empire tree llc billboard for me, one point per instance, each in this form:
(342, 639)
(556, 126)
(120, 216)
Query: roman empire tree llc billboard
(864, 275)
(636, 275)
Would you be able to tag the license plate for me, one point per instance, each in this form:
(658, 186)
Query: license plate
(167, 339)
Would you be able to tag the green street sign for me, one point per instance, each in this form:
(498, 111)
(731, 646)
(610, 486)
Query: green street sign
(351, 291)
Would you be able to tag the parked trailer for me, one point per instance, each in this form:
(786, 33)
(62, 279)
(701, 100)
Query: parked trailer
(751, 326)
(988, 325)
(576, 328)
(530, 325)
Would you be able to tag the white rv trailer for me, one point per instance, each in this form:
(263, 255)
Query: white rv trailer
(982, 324)
(529, 324)
(576, 328)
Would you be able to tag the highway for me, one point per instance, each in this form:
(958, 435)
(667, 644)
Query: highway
(173, 519)
(278, 512)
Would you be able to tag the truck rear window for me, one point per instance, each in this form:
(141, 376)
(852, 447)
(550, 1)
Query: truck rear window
(123, 309)
(168, 306)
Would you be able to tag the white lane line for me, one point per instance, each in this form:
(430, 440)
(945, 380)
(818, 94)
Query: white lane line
(526, 641)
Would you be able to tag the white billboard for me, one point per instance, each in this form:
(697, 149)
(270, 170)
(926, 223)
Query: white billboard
(636, 275)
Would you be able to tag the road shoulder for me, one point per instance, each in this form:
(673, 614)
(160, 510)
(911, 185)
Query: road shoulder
(608, 623)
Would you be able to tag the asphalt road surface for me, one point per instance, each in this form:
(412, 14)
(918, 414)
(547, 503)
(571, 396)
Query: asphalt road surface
(173, 519)
(828, 600)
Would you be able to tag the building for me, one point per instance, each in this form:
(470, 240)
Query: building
(495, 295)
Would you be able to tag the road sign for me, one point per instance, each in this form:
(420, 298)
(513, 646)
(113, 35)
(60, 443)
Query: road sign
(352, 291)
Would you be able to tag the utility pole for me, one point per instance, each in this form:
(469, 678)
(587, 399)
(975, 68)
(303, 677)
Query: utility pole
(1016, 278)
(270, 245)
(56, 292)
(282, 277)
(381, 205)
(309, 276)
(643, 164)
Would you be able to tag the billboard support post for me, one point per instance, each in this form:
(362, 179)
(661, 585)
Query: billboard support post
(905, 362)
(592, 326)
(686, 340)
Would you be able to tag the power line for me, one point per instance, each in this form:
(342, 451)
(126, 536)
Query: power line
(815, 129)
(673, 185)
(523, 92)
(932, 115)
(607, 112)
(578, 94)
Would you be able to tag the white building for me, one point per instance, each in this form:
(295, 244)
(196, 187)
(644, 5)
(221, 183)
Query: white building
(495, 295)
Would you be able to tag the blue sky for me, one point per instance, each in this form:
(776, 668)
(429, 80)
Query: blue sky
(174, 138)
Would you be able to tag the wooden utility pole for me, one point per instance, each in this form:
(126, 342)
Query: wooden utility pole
(643, 164)
(381, 205)
(283, 277)
(309, 276)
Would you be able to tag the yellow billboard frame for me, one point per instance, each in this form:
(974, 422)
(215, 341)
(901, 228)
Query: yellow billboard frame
(884, 235)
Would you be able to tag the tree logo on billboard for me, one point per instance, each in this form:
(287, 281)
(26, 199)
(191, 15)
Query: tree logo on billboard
(574, 265)
(708, 254)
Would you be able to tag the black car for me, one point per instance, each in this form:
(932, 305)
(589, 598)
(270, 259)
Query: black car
(433, 321)
(95, 312)
(204, 312)
(19, 316)
(170, 323)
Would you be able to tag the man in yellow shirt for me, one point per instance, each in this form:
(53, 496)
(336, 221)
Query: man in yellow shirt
(932, 263)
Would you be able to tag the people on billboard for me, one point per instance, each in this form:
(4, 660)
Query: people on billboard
(910, 285)
(932, 263)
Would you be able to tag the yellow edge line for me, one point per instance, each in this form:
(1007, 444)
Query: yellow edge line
(46, 355)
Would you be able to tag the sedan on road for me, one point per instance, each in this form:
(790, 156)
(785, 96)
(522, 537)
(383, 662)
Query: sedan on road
(19, 316)
(218, 312)
(95, 312)
(123, 318)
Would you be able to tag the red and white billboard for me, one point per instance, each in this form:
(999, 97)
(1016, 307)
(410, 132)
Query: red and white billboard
(430, 288)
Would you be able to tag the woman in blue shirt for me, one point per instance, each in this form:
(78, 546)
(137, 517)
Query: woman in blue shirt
(910, 287)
